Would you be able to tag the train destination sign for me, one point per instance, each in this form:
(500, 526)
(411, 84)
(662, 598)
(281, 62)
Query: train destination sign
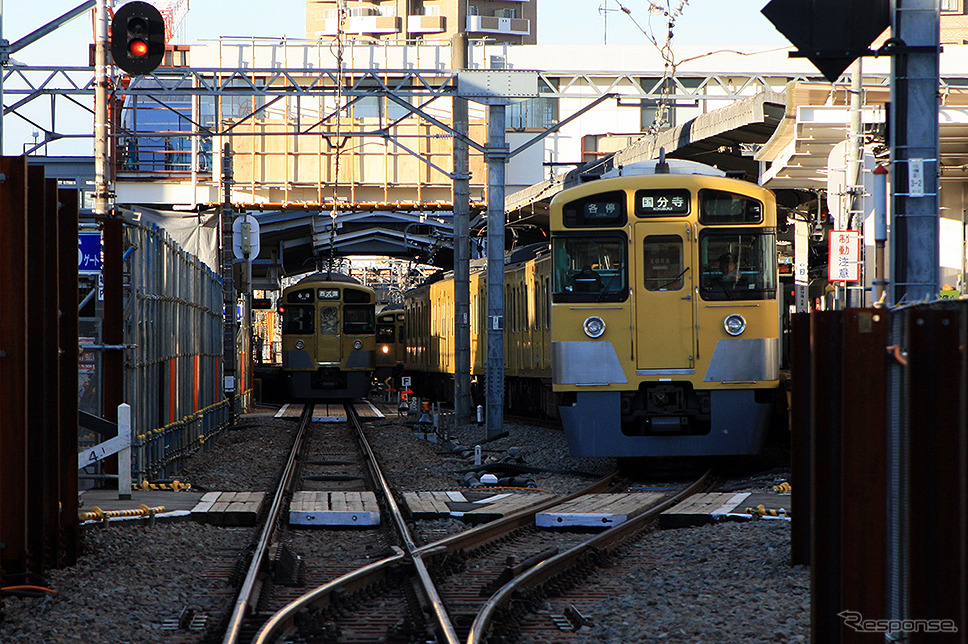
(603, 209)
(661, 203)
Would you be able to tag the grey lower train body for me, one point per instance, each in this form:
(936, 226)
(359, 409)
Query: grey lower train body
(737, 424)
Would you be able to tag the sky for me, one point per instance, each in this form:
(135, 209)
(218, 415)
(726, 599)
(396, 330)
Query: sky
(704, 23)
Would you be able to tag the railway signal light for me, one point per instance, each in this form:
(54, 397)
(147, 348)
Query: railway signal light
(138, 38)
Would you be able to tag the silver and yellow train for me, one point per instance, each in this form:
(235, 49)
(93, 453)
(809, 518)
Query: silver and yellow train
(328, 337)
(652, 325)
(665, 313)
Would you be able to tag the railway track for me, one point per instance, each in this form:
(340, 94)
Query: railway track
(439, 591)
(469, 587)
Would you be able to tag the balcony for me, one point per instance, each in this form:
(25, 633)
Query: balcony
(363, 25)
(495, 25)
(426, 24)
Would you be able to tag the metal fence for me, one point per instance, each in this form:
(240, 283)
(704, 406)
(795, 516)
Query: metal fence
(173, 317)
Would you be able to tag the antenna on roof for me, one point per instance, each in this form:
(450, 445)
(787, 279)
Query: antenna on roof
(661, 167)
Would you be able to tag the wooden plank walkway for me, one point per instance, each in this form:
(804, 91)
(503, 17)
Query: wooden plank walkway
(468, 506)
(367, 411)
(229, 508)
(289, 411)
(329, 413)
(705, 508)
(334, 508)
(598, 510)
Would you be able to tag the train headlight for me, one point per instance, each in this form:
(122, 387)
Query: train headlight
(385, 349)
(734, 324)
(357, 344)
(300, 344)
(594, 326)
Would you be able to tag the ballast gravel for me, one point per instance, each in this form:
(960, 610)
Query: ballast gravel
(719, 583)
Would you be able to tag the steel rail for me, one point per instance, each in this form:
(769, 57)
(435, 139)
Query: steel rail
(445, 627)
(282, 623)
(233, 631)
(554, 565)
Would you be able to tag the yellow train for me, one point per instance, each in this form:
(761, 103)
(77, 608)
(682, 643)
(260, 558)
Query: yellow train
(391, 341)
(328, 337)
(651, 326)
(429, 313)
(665, 313)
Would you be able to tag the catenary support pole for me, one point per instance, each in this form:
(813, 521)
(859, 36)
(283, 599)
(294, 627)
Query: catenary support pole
(462, 307)
(496, 157)
(914, 151)
(915, 169)
(228, 286)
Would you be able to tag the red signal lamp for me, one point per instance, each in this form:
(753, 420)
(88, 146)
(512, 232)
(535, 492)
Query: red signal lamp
(138, 48)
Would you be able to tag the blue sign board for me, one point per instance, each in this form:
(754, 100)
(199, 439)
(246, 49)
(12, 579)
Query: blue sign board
(89, 252)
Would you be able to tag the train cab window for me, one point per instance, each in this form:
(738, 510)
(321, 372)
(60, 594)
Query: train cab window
(359, 319)
(300, 296)
(328, 294)
(663, 264)
(603, 209)
(385, 333)
(355, 296)
(718, 207)
(738, 265)
(329, 320)
(297, 319)
(590, 268)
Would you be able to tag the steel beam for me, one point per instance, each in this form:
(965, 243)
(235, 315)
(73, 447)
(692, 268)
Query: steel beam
(936, 583)
(826, 340)
(800, 419)
(67, 220)
(13, 365)
(863, 475)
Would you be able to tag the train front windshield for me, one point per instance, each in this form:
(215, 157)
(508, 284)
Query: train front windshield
(590, 268)
(737, 265)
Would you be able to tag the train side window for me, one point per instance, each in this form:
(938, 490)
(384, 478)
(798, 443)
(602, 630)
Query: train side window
(329, 320)
(297, 319)
(300, 296)
(721, 207)
(359, 319)
(663, 266)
